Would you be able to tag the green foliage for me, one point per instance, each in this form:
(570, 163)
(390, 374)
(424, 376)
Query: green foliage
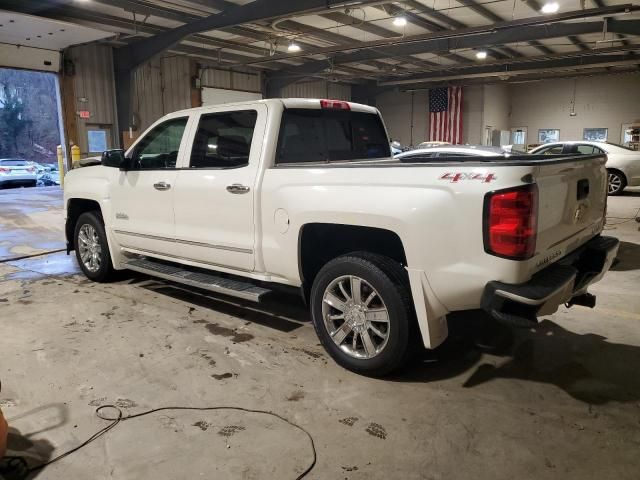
(28, 115)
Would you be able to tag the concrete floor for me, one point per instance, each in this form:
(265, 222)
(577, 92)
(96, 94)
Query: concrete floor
(561, 400)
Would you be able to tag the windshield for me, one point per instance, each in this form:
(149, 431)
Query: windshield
(621, 146)
(13, 163)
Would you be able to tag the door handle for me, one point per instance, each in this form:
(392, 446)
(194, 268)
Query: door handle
(237, 188)
(161, 186)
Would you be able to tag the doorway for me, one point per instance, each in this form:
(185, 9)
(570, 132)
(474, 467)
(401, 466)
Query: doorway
(30, 128)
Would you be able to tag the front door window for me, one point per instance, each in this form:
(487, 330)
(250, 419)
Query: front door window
(158, 150)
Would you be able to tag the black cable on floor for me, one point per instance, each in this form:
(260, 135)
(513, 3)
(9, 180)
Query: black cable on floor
(120, 418)
(33, 255)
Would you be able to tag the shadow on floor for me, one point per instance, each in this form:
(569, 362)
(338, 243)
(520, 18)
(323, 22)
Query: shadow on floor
(587, 367)
(630, 193)
(24, 454)
(628, 257)
(279, 311)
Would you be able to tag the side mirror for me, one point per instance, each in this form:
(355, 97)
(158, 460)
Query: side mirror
(113, 158)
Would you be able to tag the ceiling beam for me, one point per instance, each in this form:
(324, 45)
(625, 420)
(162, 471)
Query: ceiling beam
(489, 15)
(512, 64)
(435, 14)
(585, 62)
(444, 43)
(129, 57)
(394, 10)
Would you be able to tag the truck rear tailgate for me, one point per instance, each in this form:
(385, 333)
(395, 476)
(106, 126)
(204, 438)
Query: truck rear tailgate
(571, 206)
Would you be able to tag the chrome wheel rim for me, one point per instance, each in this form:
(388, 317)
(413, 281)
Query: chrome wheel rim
(89, 248)
(615, 182)
(355, 316)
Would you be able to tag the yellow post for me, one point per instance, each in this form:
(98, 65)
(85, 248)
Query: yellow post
(60, 165)
(75, 155)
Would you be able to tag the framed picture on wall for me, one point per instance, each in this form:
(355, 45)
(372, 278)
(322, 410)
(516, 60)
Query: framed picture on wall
(595, 134)
(548, 135)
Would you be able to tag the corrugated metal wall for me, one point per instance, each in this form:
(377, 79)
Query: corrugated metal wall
(215, 78)
(161, 86)
(317, 89)
(93, 86)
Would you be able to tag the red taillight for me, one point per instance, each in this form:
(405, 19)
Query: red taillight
(31, 169)
(510, 222)
(4, 170)
(335, 104)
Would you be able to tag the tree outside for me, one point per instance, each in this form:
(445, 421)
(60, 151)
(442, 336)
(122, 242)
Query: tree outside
(29, 125)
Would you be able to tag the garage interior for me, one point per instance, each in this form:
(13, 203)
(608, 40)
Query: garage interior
(558, 400)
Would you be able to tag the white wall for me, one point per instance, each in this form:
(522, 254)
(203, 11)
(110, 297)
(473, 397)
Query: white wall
(396, 111)
(601, 102)
(472, 109)
(497, 106)
(317, 89)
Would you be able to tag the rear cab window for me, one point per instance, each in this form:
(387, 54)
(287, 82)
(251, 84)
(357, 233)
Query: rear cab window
(326, 135)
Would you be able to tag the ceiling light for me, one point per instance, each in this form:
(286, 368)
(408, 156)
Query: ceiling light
(550, 7)
(481, 55)
(400, 21)
(293, 47)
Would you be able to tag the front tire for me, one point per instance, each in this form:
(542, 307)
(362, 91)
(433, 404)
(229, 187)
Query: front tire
(363, 314)
(617, 182)
(92, 249)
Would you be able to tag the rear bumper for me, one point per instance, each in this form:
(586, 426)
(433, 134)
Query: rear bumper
(559, 283)
(18, 179)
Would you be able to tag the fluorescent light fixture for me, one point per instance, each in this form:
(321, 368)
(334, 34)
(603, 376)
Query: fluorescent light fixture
(550, 7)
(293, 47)
(481, 55)
(400, 21)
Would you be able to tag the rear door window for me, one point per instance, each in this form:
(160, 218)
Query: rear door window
(552, 150)
(323, 135)
(223, 140)
(587, 150)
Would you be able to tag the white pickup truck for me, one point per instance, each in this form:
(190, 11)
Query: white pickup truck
(241, 198)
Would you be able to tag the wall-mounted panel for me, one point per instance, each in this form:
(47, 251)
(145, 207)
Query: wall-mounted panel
(317, 89)
(16, 56)
(231, 80)
(94, 94)
(160, 86)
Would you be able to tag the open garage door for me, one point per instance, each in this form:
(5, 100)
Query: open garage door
(219, 96)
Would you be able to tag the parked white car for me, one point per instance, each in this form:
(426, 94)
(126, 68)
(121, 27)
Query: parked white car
(452, 151)
(15, 171)
(623, 163)
(242, 198)
(432, 144)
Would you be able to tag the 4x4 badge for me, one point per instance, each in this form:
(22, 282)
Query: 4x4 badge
(456, 177)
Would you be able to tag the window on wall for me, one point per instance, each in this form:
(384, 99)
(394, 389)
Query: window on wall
(595, 134)
(98, 139)
(518, 137)
(548, 135)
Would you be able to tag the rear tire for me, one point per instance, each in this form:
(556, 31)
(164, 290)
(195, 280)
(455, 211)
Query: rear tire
(616, 182)
(92, 248)
(374, 331)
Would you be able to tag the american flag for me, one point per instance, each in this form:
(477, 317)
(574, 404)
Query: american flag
(445, 115)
